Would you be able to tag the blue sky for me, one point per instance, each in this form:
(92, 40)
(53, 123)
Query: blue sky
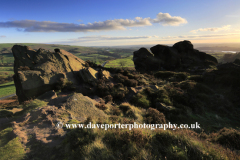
(119, 22)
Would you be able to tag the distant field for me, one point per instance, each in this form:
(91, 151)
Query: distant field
(93, 57)
(219, 56)
(6, 71)
(115, 63)
(7, 89)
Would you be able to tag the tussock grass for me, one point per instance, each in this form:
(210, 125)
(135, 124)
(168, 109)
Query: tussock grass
(195, 87)
(131, 111)
(227, 137)
(10, 147)
(175, 76)
(30, 105)
(73, 121)
(153, 116)
(142, 144)
(141, 100)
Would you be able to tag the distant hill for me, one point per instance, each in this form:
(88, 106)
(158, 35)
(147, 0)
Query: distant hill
(4, 47)
(96, 54)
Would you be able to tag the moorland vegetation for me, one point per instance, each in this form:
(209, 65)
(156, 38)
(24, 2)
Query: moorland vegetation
(184, 86)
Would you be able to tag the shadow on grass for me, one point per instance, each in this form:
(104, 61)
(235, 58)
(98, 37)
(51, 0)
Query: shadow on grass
(1, 87)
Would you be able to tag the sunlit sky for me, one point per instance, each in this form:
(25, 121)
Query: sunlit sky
(119, 22)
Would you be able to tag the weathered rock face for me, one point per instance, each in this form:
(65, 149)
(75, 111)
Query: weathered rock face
(104, 74)
(169, 56)
(143, 59)
(48, 95)
(183, 46)
(181, 54)
(37, 72)
(89, 75)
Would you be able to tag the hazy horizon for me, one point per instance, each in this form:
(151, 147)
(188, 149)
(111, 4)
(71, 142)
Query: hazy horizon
(119, 23)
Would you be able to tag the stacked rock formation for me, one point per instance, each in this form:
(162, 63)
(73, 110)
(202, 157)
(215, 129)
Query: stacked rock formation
(180, 55)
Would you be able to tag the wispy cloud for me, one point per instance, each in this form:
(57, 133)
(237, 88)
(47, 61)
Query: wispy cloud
(2, 36)
(105, 38)
(200, 36)
(215, 29)
(117, 24)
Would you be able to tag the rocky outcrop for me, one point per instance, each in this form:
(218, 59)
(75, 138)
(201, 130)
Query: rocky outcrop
(180, 55)
(183, 46)
(89, 75)
(37, 72)
(104, 74)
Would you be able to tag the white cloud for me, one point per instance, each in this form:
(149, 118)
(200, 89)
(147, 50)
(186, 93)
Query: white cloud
(2, 36)
(167, 20)
(116, 24)
(227, 27)
(106, 38)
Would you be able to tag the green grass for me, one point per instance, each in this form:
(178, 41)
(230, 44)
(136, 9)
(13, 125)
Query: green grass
(6, 71)
(115, 63)
(3, 73)
(36, 103)
(8, 59)
(32, 104)
(10, 149)
(7, 84)
(97, 55)
(125, 53)
(7, 89)
(93, 58)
